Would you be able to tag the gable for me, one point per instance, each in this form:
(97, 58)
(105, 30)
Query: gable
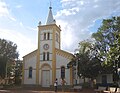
(64, 54)
(32, 54)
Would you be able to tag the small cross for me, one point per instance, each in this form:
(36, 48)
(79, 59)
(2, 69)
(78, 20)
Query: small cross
(50, 4)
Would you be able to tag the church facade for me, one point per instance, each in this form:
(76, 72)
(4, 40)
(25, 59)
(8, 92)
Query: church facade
(48, 62)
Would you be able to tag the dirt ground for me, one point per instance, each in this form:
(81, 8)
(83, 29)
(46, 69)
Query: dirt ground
(39, 91)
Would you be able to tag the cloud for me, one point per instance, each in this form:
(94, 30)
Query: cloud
(77, 16)
(24, 43)
(5, 12)
(3, 9)
(15, 31)
(67, 12)
(20, 34)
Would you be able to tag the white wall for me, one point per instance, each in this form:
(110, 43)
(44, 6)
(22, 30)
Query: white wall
(57, 42)
(46, 42)
(45, 31)
(46, 62)
(58, 75)
(28, 80)
(30, 62)
(41, 57)
(62, 61)
(67, 76)
(42, 42)
(57, 45)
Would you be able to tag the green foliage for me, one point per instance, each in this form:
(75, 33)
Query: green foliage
(8, 54)
(114, 53)
(2, 66)
(88, 64)
(107, 41)
(102, 56)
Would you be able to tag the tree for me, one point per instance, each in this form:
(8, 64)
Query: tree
(107, 41)
(113, 57)
(88, 64)
(114, 53)
(18, 71)
(8, 53)
(103, 55)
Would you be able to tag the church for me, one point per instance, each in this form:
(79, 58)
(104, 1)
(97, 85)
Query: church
(48, 62)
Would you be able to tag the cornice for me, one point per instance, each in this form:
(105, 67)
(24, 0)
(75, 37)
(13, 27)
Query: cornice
(64, 53)
(47, 27)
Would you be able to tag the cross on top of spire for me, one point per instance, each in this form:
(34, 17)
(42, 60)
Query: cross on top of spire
(50, 5)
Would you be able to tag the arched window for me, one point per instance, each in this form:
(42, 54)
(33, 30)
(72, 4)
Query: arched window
(43, 56)
(48, 36)
(47, 55)
(62, 72)
(30, 72)
(44, 36)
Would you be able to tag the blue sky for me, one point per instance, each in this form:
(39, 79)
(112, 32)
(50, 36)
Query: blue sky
(78, 19)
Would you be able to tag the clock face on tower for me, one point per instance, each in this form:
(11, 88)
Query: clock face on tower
(46, 46)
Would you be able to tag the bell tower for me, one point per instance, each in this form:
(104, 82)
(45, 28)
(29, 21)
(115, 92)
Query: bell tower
(48, 41)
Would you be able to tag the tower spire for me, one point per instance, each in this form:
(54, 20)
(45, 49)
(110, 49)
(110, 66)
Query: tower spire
(50, 19)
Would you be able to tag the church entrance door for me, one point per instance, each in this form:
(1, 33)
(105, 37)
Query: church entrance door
(45, 78)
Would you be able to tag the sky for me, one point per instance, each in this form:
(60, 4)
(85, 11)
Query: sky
(78, 20)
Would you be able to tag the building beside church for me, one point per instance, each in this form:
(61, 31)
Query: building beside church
(48, 62)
